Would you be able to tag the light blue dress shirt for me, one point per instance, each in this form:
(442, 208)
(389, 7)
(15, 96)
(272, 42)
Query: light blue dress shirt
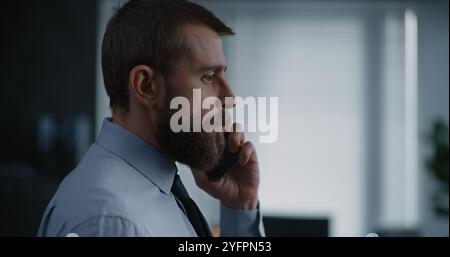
(122, 187)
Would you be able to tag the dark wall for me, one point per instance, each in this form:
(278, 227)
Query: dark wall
(47, 65)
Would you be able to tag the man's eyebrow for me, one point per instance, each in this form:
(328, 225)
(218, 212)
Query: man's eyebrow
(212, 67)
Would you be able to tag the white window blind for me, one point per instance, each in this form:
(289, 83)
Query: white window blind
(314, 62)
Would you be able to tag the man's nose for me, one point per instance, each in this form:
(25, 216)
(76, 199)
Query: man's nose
(225, 91)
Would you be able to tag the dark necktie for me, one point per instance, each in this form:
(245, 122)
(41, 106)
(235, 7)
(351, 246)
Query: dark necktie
(192, 211)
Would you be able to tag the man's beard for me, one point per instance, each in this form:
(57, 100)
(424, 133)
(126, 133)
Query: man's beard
(199, 150)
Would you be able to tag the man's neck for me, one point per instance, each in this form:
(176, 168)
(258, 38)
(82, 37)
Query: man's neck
(136, 126)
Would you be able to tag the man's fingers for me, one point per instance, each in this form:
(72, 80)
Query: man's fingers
(236, 138)
(247, 152)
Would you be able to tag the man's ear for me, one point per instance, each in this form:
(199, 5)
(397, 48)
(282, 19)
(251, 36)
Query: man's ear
(142, 84)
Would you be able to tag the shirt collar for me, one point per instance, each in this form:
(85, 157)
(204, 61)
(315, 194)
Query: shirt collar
(152, 163)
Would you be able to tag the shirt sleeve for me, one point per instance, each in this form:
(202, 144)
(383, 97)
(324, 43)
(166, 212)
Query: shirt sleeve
(241, 223)
(107, 226)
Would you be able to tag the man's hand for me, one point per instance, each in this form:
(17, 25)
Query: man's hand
(238, 188)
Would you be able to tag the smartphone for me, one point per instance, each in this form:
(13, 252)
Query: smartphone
(227, 162)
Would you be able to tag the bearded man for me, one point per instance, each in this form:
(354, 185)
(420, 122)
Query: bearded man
(127, 182)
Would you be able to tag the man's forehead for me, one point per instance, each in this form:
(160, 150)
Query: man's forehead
(204, 44)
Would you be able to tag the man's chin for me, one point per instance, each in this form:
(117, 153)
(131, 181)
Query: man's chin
(201, 151)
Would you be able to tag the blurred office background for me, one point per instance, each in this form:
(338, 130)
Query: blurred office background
(363, 91)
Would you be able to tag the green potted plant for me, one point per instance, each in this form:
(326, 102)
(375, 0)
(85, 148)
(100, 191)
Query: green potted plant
(437, 165)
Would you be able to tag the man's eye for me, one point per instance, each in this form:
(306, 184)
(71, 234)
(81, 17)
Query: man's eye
(207, 78)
